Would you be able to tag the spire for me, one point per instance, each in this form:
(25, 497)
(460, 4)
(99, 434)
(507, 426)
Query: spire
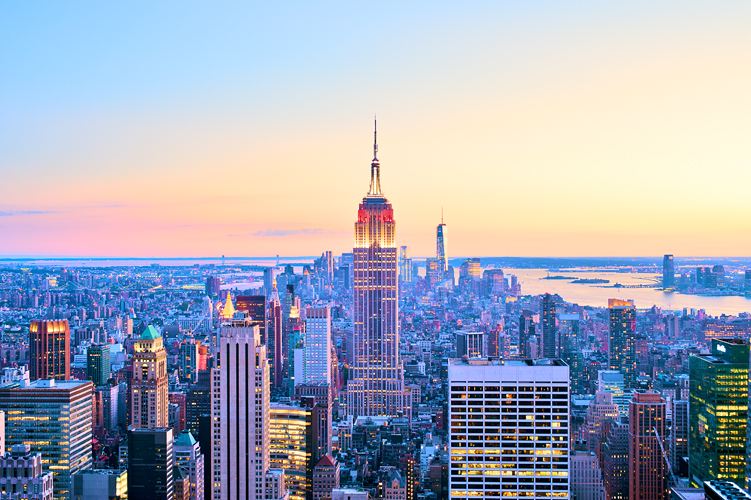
(375, 166)
(441, 215)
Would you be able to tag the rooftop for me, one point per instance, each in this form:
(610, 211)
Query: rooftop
(150, 333)
(505, 362)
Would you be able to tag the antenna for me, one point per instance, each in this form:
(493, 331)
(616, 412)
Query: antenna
(375, 137)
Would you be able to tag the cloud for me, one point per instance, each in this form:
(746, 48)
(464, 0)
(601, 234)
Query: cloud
(288, 232)
(11, 213)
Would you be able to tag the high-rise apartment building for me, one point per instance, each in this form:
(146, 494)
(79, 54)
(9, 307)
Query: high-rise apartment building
(668, 272)
(647, 469)
(149, 396)
(718, 412)
(526, 335)
(240, 408)
(440, 247)
(55, 419)
(509, 428)
(621, 346)
(376, 387)
(291, 447)
(98, 364)
(549, 327)
(150, 462)
(49, 350)
(317, 369)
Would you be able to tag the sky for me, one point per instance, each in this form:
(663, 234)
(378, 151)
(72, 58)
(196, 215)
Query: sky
(166, 129)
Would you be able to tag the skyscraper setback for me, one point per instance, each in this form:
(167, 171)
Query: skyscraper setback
(376, 387)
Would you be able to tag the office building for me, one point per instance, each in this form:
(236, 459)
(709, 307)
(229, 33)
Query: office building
(679, 431)
(291, 447)
(274, 344)
(255, 305)
(149, 397)
(150, 462)
(440, 247)
(240, 395)
(55, 419)
(470, 344)
(433, 274)
(549, 339)
(647, 470)
(405, 265)
(317, 367)
(189, 459)
(189, 360)
(376, 387)
(100, 484)
(668, 272)
(325, 477)
(718, 412)
(527, 336)
(49, 350)
(586, 476)
(718, 489)
(98, 364)
(508, 420)
(613, 382)
(105, 400)
(213, 286)
(621, 346)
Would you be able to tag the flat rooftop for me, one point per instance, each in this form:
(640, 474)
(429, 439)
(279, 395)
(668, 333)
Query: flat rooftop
(505, 362)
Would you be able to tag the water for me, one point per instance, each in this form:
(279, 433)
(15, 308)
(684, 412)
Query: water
(598, 295)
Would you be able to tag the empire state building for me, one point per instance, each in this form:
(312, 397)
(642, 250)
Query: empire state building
(377, 386)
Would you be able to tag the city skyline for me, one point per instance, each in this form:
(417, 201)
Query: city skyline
(474, 101)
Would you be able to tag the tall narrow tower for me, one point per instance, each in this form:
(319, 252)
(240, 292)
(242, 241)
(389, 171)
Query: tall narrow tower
(440, 247)
(377, 386)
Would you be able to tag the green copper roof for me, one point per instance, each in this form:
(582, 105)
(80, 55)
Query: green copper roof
(185, 439)
(150, 333)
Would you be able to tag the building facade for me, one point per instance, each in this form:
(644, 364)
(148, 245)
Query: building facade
(317, 369)
(49, 350)
(55, 419)
(149, 396)
(98, 364)
(508, 420)
(647, 469)
(718, 412)
(377, 385)
(549, 341)
(150, 462)
(22, 475)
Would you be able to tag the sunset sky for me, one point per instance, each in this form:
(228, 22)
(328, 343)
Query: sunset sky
(208, 128)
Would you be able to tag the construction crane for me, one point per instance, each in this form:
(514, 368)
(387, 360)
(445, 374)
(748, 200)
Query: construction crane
(664, 455)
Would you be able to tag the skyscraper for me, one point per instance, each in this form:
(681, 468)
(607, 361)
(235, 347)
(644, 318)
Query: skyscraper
(188, 457)
(647, 470)
(405, 265)
(376, 387)
(291, 447)
(509, 428)
(240, 408)
(548, 319)
(149, 398)
(621, 346)
(317, 368)
(668, 272)
(255, 305)
(440, 247)
(718, 412)
(526, 334)
(98, 364)
(189, 360)
(274, 340)
(150, 462)
(55, 419)
(49, 350)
